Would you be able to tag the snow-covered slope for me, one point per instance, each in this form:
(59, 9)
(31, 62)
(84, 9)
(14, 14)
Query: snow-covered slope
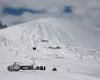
(59, 43)
(48, 34)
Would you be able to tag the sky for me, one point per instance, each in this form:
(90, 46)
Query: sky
(17, 11)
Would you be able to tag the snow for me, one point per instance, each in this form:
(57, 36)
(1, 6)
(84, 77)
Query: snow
(43, 76)
(74, 60)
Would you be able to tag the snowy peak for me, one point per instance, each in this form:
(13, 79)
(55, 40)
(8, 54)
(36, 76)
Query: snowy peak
(45, 39)
(56, 31)
(45, 29)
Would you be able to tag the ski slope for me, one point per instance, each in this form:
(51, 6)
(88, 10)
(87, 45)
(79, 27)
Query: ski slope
(77, 59)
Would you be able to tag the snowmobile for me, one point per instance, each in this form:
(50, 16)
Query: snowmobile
(17, 67)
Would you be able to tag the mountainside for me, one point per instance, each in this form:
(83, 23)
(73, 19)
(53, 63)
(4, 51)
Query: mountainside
(52, 42)
(47, 35)
(57, 31)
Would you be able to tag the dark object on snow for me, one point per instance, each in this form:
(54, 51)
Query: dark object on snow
(44, 40)
(17, 67)
(42, 67)
(34, 48)
(14, 67)
(54, 69)
(58, 47)
(2, 26)
(55, 47)
(28, 67)
(67, 69)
